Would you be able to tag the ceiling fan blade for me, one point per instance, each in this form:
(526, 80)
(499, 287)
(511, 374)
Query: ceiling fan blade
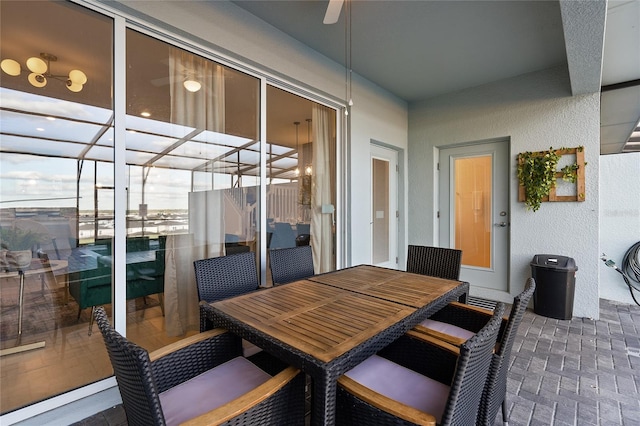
(333, 12)
(161, 81)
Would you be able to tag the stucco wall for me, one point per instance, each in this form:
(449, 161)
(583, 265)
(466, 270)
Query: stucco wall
(619, 219)
(535, 111)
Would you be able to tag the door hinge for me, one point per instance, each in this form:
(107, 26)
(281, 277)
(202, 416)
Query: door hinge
(438, 166)
(438, 214)
(397, 168)
(397, 213)
(396, 259)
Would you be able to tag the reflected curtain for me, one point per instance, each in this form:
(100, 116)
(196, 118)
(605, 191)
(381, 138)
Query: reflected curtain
(203, 109)
(181, 313)
(206, 221)
(323, 184)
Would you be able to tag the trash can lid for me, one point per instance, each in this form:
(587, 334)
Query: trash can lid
(553, 261)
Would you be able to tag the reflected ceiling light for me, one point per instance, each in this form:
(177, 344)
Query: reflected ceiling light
(37, 80)
(192, 85)
(145, 114)
(40, 68)
(11, 67)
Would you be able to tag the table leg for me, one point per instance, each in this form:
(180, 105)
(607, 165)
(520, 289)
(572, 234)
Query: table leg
(21, 348)
(323, 401)
(20, 305)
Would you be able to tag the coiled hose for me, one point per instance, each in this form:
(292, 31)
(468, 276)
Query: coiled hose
(630, 269)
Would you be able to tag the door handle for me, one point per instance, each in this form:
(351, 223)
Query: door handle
(501, 224)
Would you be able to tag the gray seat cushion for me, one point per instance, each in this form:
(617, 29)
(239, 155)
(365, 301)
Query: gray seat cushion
(450, 329)
(401, 384)
(210, 390)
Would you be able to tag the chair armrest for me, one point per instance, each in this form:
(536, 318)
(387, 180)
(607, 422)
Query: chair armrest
(198, 354)
(183, 343)
(464, 316)
(386, 404)
(454, 349)
(245, 402)
(471, 308)
(453, 340)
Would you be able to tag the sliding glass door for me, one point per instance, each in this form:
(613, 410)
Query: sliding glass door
(192, 166)
(193, 162)
(56, 182)
(301, 191)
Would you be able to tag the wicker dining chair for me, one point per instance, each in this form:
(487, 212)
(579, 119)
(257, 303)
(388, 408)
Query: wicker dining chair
(202, 378)
(221, 277)
(418, 379)
(457, 321)
(290, 264)
(438, 262)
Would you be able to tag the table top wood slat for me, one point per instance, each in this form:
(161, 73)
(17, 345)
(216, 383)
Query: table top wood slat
(269, 305)
(398, 286)
(322, 320)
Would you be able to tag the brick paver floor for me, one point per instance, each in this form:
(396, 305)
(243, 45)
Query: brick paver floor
(577, 372)
(563, 372)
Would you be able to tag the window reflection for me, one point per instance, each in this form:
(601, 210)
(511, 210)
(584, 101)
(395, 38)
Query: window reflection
(193, 189)
(192, 135)
(48, 181)
(301, 176)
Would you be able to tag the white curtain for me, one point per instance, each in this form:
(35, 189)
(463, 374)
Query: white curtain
(206, 221)
(206, 239)
(322, 187)
(203, 109)
(181, 313)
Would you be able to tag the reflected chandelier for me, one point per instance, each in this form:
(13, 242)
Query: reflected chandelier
(41, 70)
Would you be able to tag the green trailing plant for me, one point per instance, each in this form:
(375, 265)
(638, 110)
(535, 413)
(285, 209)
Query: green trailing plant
(570, 172)
(537, 174)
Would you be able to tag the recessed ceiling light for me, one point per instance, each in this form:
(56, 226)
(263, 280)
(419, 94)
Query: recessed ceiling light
(145, 114)
(51, 118)
(40, 129)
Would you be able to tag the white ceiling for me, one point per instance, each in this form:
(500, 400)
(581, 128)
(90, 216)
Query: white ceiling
(422, 49)
(620, 108)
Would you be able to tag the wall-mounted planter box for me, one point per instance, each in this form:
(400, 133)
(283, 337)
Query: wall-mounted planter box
(579, 191)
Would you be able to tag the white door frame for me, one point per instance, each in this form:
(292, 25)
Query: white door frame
(494, 279)
(391, 156)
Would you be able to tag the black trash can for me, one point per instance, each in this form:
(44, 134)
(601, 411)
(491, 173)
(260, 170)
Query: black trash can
(555, 285)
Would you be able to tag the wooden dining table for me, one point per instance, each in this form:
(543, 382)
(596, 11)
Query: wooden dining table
(327, 324)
